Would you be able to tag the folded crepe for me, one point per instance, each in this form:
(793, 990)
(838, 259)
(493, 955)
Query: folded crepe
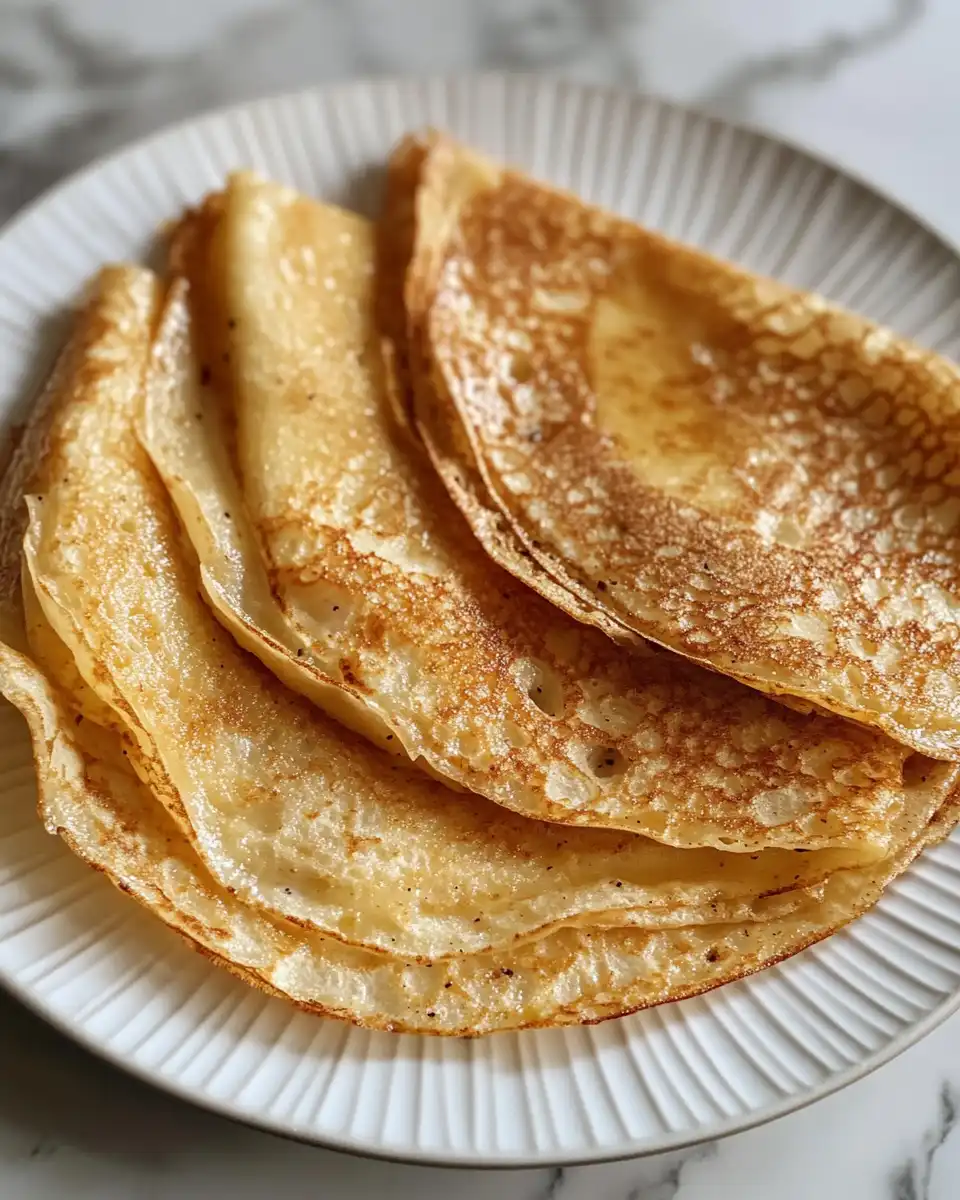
(89, 794)
(675, 449)
(131, 691)
(288, 811)
(329, 548)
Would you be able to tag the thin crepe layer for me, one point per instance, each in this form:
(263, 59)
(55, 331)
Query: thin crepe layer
(299, 817)
(712, 461)
(382, 591)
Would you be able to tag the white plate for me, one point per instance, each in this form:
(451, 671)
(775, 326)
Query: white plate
(110, 975)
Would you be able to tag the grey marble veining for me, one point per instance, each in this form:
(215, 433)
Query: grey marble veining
(913, 1180)
(111, 92)
(738, 94)
(68, 93)
(872, 82)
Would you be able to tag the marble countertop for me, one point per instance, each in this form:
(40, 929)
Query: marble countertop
(870, 83)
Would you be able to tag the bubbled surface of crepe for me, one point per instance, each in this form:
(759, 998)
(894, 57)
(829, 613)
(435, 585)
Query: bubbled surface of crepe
(713, 461)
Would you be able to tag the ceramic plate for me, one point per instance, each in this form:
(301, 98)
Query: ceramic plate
(110, 975)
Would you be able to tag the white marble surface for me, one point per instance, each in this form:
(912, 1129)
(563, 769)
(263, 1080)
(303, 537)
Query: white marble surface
(871, 83)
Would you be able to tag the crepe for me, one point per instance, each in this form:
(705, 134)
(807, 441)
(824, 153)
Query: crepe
(715, 462)
(370, 580)
(289, 811)
(102, 523)
(89, 794)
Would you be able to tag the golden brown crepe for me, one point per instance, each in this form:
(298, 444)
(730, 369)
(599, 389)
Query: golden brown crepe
(291, 813)
(369, 580)
(129, 688)
(89, 794)
(712, 461)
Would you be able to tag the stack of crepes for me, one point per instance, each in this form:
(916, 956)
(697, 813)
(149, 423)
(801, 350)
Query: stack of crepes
(495, 616)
